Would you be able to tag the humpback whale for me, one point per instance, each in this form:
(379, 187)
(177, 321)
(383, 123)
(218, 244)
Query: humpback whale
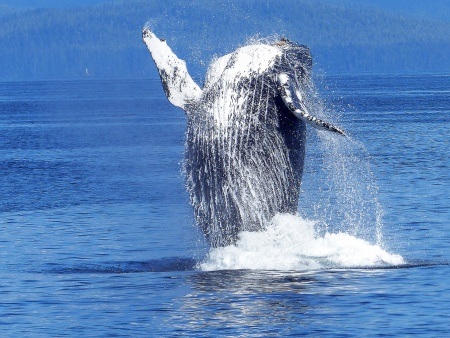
(246, 130)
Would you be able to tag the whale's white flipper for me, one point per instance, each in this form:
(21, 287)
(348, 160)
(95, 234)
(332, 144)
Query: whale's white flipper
(178, 85)
(289, 93)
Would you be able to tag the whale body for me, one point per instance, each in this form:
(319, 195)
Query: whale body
(246, 130)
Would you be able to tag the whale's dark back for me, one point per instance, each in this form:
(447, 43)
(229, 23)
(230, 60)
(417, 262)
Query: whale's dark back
(241, 173)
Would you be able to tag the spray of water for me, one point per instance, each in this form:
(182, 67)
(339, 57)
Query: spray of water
(351, 198)
(340, 191)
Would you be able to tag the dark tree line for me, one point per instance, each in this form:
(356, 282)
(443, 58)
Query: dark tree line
(105, 39)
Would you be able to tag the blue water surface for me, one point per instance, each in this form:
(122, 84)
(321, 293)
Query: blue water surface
(97, 236)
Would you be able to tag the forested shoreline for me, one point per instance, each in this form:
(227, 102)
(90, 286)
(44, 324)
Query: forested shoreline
(103, 41)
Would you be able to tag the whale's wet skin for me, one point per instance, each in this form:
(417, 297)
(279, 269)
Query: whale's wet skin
(245, 143)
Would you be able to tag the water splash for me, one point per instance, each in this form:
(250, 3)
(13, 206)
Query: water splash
(353, 191)
(292, 243)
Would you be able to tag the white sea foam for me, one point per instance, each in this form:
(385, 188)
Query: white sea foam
(292, 243)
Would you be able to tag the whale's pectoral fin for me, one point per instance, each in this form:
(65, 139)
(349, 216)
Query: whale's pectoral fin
(178, 85)
(293, 100)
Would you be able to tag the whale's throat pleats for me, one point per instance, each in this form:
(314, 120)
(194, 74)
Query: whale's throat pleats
(244, 157)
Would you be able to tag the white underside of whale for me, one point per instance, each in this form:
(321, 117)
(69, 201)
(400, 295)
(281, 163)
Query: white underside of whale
(245, 62)
(224, 74)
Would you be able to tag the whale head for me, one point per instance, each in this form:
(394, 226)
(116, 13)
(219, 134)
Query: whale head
(295, 59)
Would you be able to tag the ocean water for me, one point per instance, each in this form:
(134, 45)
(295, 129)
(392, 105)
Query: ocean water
(97, 235)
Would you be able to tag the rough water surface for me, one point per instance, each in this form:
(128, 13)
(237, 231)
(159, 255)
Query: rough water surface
(97, 237)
